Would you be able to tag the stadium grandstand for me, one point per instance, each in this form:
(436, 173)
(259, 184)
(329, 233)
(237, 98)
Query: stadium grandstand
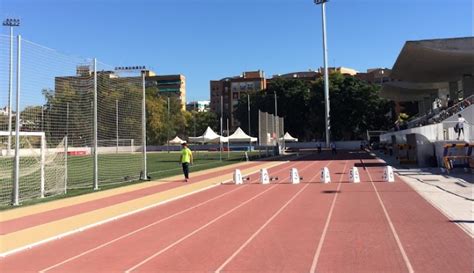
(437, 77)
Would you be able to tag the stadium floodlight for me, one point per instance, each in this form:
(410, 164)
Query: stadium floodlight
(9, 22)
(326, 76)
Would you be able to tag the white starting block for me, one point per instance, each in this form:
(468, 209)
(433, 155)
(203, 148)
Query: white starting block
(388, 175)
(265, 178)
(238, 179)
(354, 175)
(294, 176)
(325, 176)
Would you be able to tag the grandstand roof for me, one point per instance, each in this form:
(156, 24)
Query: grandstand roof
(439, 60)
(409, 91)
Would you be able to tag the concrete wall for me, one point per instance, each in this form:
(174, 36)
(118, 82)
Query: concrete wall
(468, 114)
(427, 136)
(345, 145)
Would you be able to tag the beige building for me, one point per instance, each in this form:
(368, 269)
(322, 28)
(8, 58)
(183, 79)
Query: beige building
(342, 70)
(167, 85)
(375, 75)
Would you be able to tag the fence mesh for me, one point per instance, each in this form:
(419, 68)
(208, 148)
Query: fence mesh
(57, 101)
(119, 105)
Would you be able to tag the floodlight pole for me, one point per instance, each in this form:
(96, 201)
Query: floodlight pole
(10, 23)
(326, 74)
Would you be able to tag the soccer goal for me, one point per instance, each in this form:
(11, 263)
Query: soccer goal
(108, 146)
(42, 169)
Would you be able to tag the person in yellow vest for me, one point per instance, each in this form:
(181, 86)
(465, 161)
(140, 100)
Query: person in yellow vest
(186, 159)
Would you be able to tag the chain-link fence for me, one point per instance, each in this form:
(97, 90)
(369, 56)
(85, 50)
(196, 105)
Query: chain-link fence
(75, 123)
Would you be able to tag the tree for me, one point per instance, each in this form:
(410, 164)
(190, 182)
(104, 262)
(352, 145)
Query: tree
(355, 107)
(200, 121)
(160, 125)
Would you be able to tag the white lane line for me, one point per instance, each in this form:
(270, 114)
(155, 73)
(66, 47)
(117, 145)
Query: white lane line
(197, 230)
(392, 227)
(143, 228)
(261, 228)
(202, 227)
(137, 230)
(81, 229)
(326, 225)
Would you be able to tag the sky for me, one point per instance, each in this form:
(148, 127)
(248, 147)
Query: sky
(211, 39)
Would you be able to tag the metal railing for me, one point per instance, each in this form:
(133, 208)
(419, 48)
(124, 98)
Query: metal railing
(438, 115)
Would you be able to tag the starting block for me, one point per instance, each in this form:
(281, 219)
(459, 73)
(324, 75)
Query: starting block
(265, 178)
(354, 175)
(325, 176)
(238, 178)
(294, 176)
(388, 175)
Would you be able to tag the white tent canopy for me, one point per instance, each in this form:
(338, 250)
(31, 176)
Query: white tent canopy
(176, 140)
(209, 136)
(240, 136)
(289, 138)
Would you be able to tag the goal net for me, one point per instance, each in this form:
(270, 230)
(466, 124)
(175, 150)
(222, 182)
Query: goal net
(115, 146)
(42, 169)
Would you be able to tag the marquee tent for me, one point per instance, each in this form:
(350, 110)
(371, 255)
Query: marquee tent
(288, 138)
(209, 136)
(176, 140)
(240, 136)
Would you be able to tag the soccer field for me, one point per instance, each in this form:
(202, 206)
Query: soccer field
(113, 169)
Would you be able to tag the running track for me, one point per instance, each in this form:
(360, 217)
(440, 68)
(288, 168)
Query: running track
(372, 226)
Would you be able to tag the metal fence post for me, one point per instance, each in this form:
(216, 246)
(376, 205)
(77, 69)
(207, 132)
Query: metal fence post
(96, 158)
(16, 183)
(144, 172)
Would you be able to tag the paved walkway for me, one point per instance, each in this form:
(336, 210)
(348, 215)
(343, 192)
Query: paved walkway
(452, 194)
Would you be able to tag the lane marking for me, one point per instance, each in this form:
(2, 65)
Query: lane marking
(77, 200)
(83, 228)
(203, 227)
(138, 230)
(392, 228)
(262, 227)
(197, 230)
(145, 227)
(326, 225)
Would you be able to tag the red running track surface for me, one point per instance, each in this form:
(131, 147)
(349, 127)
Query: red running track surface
(373, 226)
(63, 212)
